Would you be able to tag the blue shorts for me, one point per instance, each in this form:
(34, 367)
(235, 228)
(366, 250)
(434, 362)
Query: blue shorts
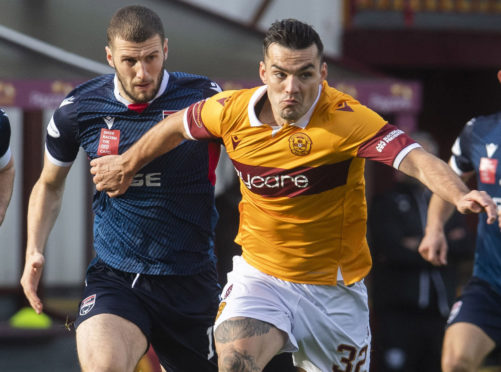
(175, 313)
(480, 305)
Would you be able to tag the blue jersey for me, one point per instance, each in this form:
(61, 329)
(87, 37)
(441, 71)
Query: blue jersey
(164, 223)
(4, 139)
(477, 149)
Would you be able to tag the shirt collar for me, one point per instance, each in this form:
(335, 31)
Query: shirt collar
(126, 102)
(259, 93)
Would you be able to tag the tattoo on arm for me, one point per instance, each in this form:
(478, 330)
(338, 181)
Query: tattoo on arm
(239, 362)
(235, 329)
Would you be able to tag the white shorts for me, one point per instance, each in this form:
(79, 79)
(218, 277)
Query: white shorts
(327, 326)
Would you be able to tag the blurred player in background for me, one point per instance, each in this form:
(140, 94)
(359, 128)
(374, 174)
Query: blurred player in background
(153, 280)
(411, 298)
(299, 148)
(7, 171)
(474, 324)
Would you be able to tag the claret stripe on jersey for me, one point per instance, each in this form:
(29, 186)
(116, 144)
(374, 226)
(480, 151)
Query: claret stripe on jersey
(275, 182)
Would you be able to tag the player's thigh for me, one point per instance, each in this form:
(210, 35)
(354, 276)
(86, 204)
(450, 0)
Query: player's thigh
(247, 342)
(465, 344)
(107, 340)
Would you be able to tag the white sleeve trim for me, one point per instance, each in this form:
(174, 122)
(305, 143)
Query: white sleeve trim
(402, 154)
(4, 160)
(454, 166)
(54, 161)
(185, 123)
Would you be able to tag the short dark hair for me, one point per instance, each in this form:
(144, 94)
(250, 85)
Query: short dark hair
(135, 23)
(292, 34)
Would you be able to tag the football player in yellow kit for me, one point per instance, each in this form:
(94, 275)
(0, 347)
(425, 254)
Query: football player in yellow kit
(299, 148)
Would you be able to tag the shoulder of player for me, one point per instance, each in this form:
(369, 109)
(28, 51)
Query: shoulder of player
(335, 101)
(88, 91)
(484, 121)
(192, 81)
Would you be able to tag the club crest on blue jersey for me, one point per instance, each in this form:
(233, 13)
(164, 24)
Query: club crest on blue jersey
(87, 304)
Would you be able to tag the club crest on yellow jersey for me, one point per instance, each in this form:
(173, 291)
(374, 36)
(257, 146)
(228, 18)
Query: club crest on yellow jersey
(300, 144)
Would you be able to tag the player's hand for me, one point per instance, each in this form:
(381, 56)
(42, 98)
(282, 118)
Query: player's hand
(31, 278)
(109, 175)
(476, 202)
(433, 248)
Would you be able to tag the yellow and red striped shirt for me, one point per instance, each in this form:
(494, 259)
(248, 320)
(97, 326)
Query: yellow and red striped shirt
(303, 210)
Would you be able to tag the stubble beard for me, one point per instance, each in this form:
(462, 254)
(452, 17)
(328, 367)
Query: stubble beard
(137, 98)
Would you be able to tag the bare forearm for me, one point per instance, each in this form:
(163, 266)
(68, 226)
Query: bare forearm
(43, 209)
(435, 174)
(439, 211)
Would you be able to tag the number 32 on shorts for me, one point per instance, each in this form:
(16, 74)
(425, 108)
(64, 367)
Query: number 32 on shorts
(350, 357)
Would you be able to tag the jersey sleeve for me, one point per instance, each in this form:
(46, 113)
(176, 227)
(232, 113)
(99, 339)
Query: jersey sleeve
(389, 146)
(202, 120)
(5, 153)
(460, 160)
(62, 144)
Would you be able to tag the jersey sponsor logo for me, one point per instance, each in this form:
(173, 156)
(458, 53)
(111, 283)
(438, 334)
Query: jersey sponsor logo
(147, 179)
(487, 170)
(108, 142)
(235, 141)
(454, 311)
(109, 121)
(491, 149)
(67, 101)
(299, 181)
(300, 144)
(276, 182)
(388, 138)
(52, 129)
(87, 304)
(166, 113)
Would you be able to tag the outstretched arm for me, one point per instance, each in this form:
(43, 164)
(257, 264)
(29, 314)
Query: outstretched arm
(441, 180)
(114, 173)
(43, 209)
(433, 247)
(6, 185)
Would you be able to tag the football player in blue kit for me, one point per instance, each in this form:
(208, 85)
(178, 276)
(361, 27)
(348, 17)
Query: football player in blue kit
(6, 165)
(153, 279)
(474, 324)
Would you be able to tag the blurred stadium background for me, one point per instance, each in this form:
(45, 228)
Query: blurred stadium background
(427, 64)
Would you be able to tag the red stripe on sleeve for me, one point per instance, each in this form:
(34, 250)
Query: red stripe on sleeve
(195, 123)
(385, 146)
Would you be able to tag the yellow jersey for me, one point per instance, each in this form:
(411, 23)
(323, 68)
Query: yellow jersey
(303, 210)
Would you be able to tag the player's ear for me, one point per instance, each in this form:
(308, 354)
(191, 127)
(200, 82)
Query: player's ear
(499, 76)
(166, 48)
(109, 56)
(323, 70)
(262, 71)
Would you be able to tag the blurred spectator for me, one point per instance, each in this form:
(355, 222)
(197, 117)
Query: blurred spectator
(411, 297)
